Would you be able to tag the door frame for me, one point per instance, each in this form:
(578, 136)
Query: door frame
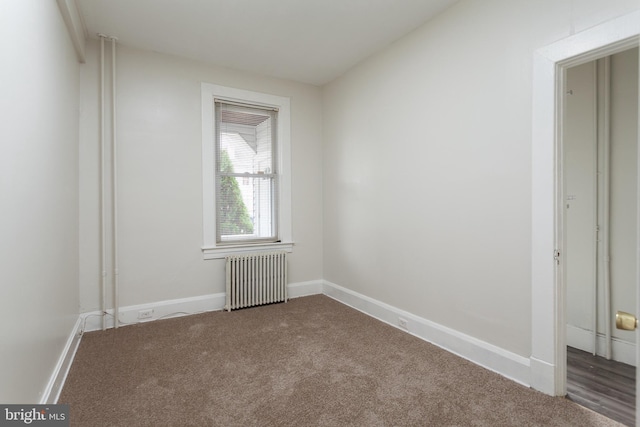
(548, 362)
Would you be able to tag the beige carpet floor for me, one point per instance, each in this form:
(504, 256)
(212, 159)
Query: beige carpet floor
(309, 362)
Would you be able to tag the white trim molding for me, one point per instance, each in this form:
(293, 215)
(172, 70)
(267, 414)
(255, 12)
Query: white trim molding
(548, 342)
(75, 26)
(210, 247)
(56, 381)
(305, 289)
(223, 251)
(92, 321)
(496, 359)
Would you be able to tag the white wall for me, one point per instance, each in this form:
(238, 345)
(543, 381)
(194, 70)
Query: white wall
(160, 143)
(624, 170)
(427, 166)
(39, 190)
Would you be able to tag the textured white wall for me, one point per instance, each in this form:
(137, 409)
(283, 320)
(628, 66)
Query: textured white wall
(160, 143)
(39, 191)
(427, 166)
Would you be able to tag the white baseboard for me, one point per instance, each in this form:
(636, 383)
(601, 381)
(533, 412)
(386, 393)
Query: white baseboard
(128, 315)
(582, 339)
(510, 365)
(59, 375)
(181, 307)
(305, 289)
(543, 377)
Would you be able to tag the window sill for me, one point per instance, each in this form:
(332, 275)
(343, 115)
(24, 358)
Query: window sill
(218, 252)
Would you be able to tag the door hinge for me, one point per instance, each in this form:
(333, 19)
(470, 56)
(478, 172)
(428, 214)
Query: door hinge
(556, 256)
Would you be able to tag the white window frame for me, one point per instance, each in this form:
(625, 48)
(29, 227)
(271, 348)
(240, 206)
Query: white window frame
(210, 248)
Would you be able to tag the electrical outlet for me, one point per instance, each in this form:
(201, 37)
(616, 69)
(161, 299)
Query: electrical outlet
(145, 314)
(403, 323)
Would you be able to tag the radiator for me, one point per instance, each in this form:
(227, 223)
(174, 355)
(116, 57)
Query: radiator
(256, 279)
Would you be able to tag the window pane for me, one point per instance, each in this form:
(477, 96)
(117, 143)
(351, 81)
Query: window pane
(246, 204)
(245, 134)
(245, 208)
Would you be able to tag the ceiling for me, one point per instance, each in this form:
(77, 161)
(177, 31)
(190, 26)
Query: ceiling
(310, 41)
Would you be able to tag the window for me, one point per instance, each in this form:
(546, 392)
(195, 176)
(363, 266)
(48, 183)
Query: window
(246, 176)
(246, 171)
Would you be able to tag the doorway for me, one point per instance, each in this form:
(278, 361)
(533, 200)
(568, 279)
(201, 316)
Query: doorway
(548, 340)
(600, 199)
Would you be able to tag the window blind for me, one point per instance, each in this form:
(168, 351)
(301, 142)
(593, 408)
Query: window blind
(246, 173)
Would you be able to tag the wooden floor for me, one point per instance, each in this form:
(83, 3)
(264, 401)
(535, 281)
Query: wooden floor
(602, 385)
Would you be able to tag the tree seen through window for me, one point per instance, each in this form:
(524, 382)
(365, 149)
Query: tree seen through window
(234, 216)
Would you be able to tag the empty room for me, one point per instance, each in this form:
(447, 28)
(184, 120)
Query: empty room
(319, 213)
